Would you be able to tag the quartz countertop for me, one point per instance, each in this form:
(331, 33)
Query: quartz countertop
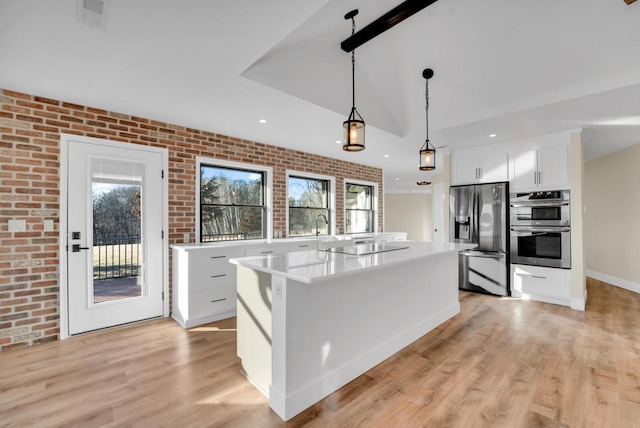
(316, 265)
(284, 241)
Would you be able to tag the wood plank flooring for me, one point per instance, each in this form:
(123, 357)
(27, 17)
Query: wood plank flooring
(500, 363)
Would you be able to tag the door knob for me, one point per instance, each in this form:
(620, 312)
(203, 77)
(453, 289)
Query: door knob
(76, 248)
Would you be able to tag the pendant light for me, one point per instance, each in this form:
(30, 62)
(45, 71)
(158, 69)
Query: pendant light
(427, 151)
(353, 139)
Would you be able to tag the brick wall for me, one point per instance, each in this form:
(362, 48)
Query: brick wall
(30, 128)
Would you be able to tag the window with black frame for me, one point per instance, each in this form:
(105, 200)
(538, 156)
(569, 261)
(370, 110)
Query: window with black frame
(232, 204)
(308, 206)
(359, 212)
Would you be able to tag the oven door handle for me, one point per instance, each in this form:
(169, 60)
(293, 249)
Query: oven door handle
(534, 231)
(539, 204)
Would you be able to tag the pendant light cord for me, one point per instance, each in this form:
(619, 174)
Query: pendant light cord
(353, 67)
(426, 108)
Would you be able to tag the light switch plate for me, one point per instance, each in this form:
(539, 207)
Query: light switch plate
(17, 225)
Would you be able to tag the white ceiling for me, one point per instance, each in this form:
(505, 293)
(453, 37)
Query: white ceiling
(513, 68)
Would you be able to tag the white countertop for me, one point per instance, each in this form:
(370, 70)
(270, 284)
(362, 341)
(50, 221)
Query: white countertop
(316, 265)
(257, 242)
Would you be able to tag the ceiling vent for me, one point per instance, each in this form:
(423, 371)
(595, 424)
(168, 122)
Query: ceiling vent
(93, 12)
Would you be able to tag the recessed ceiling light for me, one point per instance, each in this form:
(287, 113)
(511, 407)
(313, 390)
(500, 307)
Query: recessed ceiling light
(263, 121)
(386, 156)
(397, 179)
(338, 142)
(492, 135)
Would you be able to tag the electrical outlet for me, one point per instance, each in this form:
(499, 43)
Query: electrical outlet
(17, 225)
(185, 238)
(48, 225)
(278, 292)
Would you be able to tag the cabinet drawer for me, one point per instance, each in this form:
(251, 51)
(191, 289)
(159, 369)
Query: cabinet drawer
(265, 251)
(207, 277)
(207, 258)
(212, 301)
(543, 286)
(302, 246)
(539, 281)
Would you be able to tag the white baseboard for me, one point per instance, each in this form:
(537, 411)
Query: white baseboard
(618, 282)
(580, 303)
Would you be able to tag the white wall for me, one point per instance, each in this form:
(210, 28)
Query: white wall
(576, 173)
(408, 212)
(611, 220)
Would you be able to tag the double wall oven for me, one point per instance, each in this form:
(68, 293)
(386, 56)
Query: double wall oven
(541, 229)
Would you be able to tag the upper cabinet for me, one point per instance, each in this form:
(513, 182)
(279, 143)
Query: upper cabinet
(543, 168)
(529, 165)
(484, 169)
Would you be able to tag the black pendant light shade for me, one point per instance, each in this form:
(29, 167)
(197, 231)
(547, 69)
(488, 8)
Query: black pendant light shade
(427, 157)
(427, 151)
(353, 127)
(353, 136)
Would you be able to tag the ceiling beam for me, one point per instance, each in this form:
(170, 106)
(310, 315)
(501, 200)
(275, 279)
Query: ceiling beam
(629, 1)
(385, 22)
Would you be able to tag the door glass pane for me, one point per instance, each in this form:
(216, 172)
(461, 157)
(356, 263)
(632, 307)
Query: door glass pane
(117, 188)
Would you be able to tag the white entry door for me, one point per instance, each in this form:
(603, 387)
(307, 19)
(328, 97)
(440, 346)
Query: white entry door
(114, 234)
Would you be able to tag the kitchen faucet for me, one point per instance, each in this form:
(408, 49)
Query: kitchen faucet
(325, 222)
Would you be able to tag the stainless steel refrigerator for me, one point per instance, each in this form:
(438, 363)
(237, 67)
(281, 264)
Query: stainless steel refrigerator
(479, 215)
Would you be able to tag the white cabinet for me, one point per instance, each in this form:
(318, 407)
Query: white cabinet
(485, 169)
(391, 236)
(541, 283)
(266, 250)
(543, 168)
(204, 285)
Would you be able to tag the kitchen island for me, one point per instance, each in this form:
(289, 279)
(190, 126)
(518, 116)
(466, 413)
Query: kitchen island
(311, 321)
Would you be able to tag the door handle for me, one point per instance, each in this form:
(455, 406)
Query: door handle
(75, 248)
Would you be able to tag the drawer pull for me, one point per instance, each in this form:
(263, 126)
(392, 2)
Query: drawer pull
(303, 246)
(219, 300)
(218, 276)
(539, 277)
(218, 257)
(266, 252)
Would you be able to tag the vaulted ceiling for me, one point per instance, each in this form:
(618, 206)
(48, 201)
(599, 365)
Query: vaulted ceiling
(515, 69)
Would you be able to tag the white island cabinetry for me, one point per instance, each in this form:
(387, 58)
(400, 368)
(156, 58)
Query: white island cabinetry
(311, 321)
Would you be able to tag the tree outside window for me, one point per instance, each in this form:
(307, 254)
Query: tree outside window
(359, 212)
(308, 202)
(232, 204)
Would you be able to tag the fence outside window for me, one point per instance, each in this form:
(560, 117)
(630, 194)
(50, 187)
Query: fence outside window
(118, 257)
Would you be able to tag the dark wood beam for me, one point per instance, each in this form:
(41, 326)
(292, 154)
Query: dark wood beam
(386, 21)
(629, 1)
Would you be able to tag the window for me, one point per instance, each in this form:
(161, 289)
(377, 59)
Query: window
(309, 205)
(233, 202)
(359, 202)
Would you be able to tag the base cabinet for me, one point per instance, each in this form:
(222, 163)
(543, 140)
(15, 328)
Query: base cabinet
(543, 284)
(204, 282)
(204, 285)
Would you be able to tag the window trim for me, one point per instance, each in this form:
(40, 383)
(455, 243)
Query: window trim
(374, 203)
(331, 197)
(268, 183)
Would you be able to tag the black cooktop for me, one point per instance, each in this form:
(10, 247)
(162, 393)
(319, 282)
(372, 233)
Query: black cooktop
(364, 249)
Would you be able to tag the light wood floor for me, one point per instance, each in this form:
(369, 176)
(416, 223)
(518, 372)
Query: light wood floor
(501, 362)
